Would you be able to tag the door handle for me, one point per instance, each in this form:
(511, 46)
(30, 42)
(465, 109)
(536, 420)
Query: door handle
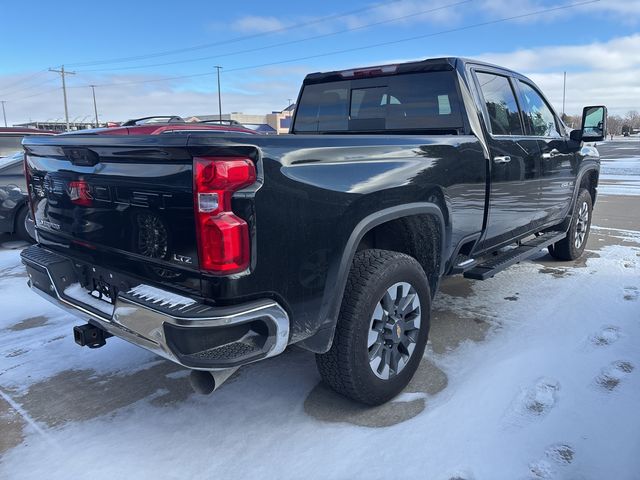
(551, 154)
(502, 159)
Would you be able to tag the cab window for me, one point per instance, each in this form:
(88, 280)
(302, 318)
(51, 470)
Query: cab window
(540, 120)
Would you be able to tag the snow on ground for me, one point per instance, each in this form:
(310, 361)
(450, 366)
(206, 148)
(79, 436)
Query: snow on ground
(620, 167)
(552, 392)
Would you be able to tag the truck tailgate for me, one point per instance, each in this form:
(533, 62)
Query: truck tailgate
(129, 198)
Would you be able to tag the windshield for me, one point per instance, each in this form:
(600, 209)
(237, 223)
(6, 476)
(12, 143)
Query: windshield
(10, 143)
(11, 159)
(416, 101)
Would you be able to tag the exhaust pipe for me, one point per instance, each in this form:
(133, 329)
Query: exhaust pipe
(204, 382)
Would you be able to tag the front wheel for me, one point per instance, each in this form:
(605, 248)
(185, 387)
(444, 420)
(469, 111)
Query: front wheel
(572, 246)
(382, 328)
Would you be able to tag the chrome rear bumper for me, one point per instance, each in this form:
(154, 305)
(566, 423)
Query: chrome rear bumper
(178, 328)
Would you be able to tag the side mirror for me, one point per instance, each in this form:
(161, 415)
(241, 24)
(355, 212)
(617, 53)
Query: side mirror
(594, 124)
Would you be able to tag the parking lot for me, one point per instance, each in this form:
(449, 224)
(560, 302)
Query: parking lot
(532, 374)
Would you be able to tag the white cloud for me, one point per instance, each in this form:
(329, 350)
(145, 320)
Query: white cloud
(620, 91)
(411, 12)
(599, 72)
(619, 53)
(257, 24)
(625, 10)
(393, 13)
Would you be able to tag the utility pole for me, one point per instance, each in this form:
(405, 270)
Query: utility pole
(95, 106)
(4, 114)
(62, 73)
(218, 68)
(564, 91)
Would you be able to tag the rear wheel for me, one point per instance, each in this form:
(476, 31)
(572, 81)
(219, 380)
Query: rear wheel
(573, 245)
(382, 328)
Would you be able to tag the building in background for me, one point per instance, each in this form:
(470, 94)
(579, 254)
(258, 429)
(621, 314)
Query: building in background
(274, 123)
(271, 123)
(281, 121)
(58, 126)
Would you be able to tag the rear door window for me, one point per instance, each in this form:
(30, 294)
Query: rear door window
(415, 101)
(501, 104)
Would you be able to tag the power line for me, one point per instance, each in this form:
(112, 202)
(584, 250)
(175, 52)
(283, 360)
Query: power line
(417, 37)
(28, 87)
(236, 39)
(44, 92)
(24, 79)
(363, 47)
(288, 42)
(151, 80)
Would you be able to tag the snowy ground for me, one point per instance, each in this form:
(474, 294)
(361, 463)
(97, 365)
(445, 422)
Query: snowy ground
(620, 170)
(532, 374)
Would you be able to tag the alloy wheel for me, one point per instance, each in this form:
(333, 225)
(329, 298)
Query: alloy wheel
(582, 224)
(394, 330)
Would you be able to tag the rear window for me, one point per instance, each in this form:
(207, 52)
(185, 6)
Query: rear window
(416, 101)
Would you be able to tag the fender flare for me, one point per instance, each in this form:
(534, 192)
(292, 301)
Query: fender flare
(583, 173)
(320, 342)
(566, 222)
(576, 190)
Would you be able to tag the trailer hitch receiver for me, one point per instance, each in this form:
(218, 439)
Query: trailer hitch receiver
(90, 336)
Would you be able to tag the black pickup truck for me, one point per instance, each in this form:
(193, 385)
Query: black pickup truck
(218, 250)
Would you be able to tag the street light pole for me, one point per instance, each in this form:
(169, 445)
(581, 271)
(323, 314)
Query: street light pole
(4, 114)
(564, 91)
(95, 105)
(218, 68)
(62, 73)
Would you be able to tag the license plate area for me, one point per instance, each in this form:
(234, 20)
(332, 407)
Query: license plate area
(103, 291)
(96, 288)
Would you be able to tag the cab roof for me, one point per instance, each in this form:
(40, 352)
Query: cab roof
(427, 65)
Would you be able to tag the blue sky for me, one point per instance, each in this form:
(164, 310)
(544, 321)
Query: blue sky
(597, 43)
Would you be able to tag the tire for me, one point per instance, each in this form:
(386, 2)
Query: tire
(347, 367)
(20, 225)
(572, 246)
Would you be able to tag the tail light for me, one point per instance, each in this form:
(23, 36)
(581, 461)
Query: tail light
(223, 238)
(369, 72)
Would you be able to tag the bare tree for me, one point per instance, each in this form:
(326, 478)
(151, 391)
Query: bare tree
(614, 124)
(632, 118)
(572, 121)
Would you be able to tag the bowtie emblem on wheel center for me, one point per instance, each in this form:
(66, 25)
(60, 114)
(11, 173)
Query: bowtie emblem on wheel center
(395, 331)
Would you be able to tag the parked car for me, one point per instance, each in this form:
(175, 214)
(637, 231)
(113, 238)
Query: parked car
(11, 138)
(14, 210)
(173, 123)
(219, 250)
